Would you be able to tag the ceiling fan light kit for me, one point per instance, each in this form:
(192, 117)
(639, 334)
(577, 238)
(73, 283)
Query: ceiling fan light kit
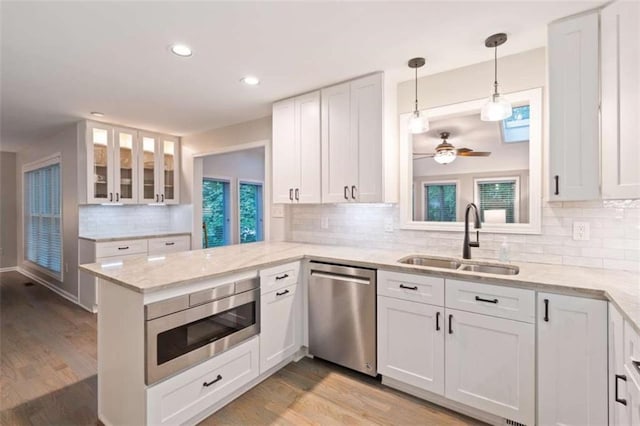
(498, 108)
(417, 123)
(446, 152)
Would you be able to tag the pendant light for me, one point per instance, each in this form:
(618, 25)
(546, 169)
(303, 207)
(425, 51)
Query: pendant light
(498, 108)
(417, 123)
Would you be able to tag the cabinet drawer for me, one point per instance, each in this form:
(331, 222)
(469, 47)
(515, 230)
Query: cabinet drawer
(279, 277)
(182, 397)
(119, 248)
(498, 301)
(169, 244)
(417, 288)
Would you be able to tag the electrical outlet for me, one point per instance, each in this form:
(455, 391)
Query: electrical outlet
(388, 224)
(581, 231)
(277, 210)
(324, 222)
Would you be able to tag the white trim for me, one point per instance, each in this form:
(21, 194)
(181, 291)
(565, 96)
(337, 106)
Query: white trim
(425, 183)
(508, 179)
(42, 162)
(534, 98)
(9, 269)
(50, 286)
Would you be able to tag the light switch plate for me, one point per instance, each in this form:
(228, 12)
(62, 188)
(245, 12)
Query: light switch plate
(277, 210)
(581, 231)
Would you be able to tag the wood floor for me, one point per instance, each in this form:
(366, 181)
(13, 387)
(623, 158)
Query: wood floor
(48, 376)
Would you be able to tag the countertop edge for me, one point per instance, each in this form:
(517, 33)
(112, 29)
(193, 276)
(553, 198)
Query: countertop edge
(133, 237)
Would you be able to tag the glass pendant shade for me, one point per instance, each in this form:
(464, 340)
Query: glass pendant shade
(497, 109)
(418, 123)
(445, 156)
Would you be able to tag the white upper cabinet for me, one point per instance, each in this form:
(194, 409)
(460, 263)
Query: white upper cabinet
(100, 163)
(352, 136)
(572, 360)
(159, 168)
(620, 50)
(296, 149)
(168, 169)
(574, 159)
(125, 177)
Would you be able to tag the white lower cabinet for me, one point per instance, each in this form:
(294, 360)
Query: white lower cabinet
(411, 343)
(490, 364)
(280, 326)
(190, 394)
(572, 360)
(619, 386)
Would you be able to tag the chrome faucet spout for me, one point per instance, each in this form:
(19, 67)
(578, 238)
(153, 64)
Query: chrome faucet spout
(466, 248)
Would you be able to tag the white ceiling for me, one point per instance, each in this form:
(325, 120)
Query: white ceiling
(61, 60)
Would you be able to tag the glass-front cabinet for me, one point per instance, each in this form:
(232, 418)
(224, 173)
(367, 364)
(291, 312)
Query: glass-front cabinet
(159, 162)
(100, 158)
(169, 169)
(125, 153)
(148, 168)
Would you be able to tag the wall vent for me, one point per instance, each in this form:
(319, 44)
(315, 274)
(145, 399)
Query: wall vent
(514, 423)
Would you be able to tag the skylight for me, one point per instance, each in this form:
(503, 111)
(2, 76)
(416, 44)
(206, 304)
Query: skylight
(516, 127)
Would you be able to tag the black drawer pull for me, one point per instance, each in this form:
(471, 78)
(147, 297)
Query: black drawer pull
(282, 277)
(297, 194)
(170, 243)
(406, 287)
(214, 381)
(450, 324)
(282, 293)
(618, 399)
(546, 310)
(480, 299)
(291, 194)
(438, 321)
(123, 248)
(111, 196)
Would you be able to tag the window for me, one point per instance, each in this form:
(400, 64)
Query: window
(498, 199)
(250, 201)
(440, 200)
(516, 127)
(215, 212)
(43, 216)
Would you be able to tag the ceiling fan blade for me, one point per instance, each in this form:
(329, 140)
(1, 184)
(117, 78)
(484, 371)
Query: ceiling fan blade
(461, 150)
(474, 154)
(424, 154)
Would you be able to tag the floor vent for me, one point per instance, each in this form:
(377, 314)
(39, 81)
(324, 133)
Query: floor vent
(514, 423)
(28, 284)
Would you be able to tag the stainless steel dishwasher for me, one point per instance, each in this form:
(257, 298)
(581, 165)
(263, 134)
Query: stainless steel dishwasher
(342, 315)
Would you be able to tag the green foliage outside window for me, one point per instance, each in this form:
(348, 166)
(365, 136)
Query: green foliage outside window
(214, 212)
(250, 213)
(440, 202)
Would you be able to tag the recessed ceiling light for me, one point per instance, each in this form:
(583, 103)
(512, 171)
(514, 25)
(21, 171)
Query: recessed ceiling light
(181, 50)
(250, 80)
(97, 114)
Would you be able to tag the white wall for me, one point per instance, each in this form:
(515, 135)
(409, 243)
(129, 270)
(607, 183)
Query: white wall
(8, 210)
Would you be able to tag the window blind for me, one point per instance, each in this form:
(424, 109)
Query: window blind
(498, 196)
(43, 218)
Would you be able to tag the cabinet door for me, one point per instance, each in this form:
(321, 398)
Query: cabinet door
(573, 107)
(366, 134)
(149, 182)
(490, 364)
(279, 326)
(285, 162)
(633, 402)
(339, 158)
(125, 177)
(620, 47)
(411, 343)
(618, 411)
(307, 121)
(100, 161)
(168, 165)
(572, 360)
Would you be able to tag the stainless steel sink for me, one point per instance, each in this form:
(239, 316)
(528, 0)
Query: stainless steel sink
(491, 269)
(434, 262)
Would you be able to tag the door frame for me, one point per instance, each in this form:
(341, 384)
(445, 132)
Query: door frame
(196, 232)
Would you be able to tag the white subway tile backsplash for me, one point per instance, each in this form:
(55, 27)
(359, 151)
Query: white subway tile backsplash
(614, 241)
(122, 220)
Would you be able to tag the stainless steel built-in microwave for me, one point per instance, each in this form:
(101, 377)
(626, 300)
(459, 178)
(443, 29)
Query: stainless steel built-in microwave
(186, 330)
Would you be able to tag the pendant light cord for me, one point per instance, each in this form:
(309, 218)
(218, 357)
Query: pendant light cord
(416, 106)
(495, 68)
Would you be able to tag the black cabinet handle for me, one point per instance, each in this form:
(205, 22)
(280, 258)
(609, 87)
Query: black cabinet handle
(353, 192)
(546, 310)
(110, 196)
(557, 179)
(162, 200)
(282, 293)
(291, 194)
(214, 381)
(346, 192)
(123, 248)
(117, 196)
(450, 324)
(169, 243)
(406, 287)
(480, 299)
(157, 198)
(618, 399)
(297, 194)
(438, 321)
(282, 277)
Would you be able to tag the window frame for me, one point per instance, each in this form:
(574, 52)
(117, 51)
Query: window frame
(262, 207)
(425, 206)
(228, 232)
(47, 161)
(507, 179)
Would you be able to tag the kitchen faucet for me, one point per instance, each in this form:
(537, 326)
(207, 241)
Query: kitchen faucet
(466, 248)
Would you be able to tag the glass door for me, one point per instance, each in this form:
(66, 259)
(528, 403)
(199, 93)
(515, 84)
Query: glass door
(169, 167)
(150, 190)
(101, 160)
(250, 211)
(125, 179)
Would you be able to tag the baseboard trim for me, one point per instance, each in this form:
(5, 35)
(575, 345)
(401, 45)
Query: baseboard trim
(70, 297)
(9, 269)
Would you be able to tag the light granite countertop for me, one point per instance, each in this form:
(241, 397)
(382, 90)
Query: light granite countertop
(107, 237)
(146, 275)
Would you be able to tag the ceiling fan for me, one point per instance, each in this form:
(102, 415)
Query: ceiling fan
(446, 153)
